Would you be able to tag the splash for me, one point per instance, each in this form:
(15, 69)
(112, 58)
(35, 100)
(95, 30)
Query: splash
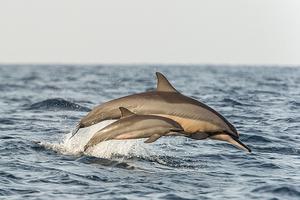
(107, 149)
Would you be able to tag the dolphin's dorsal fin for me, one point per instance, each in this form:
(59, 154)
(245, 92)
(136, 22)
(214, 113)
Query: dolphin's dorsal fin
(163, 85)
(125, 112)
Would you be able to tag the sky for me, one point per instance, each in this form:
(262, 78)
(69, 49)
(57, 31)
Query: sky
(251, 32)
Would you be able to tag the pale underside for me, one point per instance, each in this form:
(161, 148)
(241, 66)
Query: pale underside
(192, 126)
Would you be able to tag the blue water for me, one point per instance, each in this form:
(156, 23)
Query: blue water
(40, 105)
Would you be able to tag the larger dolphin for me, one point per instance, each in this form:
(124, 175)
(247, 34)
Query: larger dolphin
(198, 120)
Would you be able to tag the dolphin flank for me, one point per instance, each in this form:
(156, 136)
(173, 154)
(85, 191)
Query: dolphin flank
(132, 126)
(198, 120)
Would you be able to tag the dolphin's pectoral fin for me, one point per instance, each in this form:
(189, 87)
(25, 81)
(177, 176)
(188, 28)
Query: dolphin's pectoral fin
(198, 136)
(163, 85)
(153, 138)
(125, 112)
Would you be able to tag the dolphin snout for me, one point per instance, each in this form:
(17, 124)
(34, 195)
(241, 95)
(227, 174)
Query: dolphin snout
(234, 140)
(241, 145)
(85, 148)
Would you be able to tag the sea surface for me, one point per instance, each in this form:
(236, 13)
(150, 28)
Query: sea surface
(41, 104)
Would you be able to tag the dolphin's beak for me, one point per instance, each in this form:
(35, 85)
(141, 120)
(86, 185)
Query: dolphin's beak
(85, 147)
(240, 145)
(232, 140)
(75, 130)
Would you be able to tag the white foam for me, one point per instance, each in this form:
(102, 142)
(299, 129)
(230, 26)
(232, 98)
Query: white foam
(106, 149)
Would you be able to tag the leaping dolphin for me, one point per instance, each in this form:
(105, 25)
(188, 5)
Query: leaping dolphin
(198, 120)
(133, 126)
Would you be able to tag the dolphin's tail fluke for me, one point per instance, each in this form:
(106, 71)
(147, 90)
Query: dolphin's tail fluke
(78, 126)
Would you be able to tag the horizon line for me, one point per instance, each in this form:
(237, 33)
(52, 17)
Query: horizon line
(147, 64)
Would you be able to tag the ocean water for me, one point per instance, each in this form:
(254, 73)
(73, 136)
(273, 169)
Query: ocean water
(40, 105)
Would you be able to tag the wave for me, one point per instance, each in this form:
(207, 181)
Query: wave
(257, 138)
(294, 104)
(6, 121)
(232, 102)
(105, 162)
(281, 150)
(279, 190)
(57, 104)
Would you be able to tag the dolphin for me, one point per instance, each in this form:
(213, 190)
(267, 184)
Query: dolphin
(198, 120)
(133, 126)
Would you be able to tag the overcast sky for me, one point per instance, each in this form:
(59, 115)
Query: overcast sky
(154, 31)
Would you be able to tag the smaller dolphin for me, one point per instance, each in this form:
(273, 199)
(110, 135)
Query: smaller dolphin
(133, 126)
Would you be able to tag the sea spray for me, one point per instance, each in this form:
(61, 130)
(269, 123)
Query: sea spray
(106, 149)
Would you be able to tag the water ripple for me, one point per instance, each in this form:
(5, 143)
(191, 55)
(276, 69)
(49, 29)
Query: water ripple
(284, 191)
(262, 102)
(57, 104)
